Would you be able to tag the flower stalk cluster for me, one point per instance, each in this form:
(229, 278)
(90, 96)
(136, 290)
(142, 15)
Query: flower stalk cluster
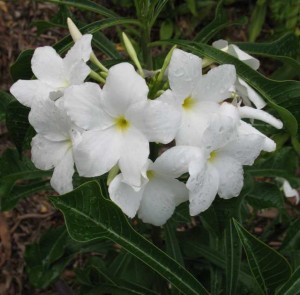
(95, 130)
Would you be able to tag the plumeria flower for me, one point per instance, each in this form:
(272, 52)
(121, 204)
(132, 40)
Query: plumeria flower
(157, 199)
(216, 165)
(197, 96)
(53, 73)
(53, 145)
(119, 122)
(245, 91)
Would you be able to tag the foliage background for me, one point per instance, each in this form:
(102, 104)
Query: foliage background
(24, 225)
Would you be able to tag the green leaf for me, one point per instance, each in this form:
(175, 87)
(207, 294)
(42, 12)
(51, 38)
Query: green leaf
(193, 248)
(172, 246)
(269, 268)
(101, 42)
(291, 233)
(257, 19)
(92, 28)
(219, 23)
(265, 195)
(85, 5)
(45, 261)
(285, 49)
(18, 192)
(13, 169)
(233, 251)
(21, 68)
(5, 99)
(17, 123)
(283, 96)
(89, 216)
(292, 286)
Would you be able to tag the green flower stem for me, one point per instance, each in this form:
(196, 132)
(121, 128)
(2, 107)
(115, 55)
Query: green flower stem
(97, 77)
(95, 61)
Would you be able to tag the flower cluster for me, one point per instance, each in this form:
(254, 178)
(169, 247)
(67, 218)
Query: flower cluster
(97, 130)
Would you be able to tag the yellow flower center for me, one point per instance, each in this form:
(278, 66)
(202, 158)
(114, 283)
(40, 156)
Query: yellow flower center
(150, 174)
(121, 123)
(212, 156)
(188, 103)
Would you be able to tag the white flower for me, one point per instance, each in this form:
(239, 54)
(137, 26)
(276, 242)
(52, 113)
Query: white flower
(120, 122)
(53, 146)
(215, 166)
(197, 96)
(288, 191)
(54, 73)
(247, 93)
(157, 199)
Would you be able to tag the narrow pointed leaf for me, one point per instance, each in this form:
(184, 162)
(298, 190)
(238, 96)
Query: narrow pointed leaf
(219, 23)
(292, 286)
(90, 216)
(85, 5)
(233, 252)
(269, 268)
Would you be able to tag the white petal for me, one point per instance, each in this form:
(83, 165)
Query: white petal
(158, 120)
(83, 105)
(194, 121)
(159, 201)
(221, 130)
(29, 91)
(125, 196)
(123, 87)
(176, 160)
(247, 129)
(134, 156)
(184, 72)
(245, 90)
(61, 179)
(48, 67)
(46, 154)
(245, 149)
(243, 56)
(203, 186)
(216, 84)
(50, 121)
(289, 191)
(76, 74)
(221, 44)
(251, 113)
(81, 50)
(231, 177)
(97, 152)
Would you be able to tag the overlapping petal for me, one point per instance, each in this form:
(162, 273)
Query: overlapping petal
(160, 198)
(184, 73)
(97, 152)
(61, 179)
(231, 178)
(83, 105)
(123, 88)
(125, 196)
(203, 185)
(216, 84)
(46, 154)
(29, 91)
(48, 67)
(133, 156)
(50, 120)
